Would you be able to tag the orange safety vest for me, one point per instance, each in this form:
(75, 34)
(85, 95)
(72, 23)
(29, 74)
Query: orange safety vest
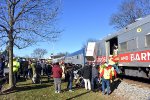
(107, 73)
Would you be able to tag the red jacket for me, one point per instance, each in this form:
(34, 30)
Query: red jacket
(57, 71)
(115, 59)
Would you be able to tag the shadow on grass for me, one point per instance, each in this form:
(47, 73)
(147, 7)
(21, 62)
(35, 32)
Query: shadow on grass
(25, 84)
(73, 88)
(43, 81)
(115, 84)
(47, 81)
(78, 95)
(25, 88)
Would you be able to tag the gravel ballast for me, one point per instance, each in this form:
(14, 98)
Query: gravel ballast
(132, 92)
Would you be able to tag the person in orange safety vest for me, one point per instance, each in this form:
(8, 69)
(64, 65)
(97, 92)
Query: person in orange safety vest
(106, 75)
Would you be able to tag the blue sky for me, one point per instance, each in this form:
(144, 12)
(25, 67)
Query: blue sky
(81, 20)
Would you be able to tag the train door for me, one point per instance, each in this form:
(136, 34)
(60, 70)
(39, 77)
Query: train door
(107, 50)
(111, 47)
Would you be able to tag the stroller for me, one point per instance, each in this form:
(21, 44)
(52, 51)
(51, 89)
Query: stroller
(79, 82)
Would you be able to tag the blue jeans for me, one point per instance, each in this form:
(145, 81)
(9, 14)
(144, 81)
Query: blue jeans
(105, 83)
(116, 68)
(30, 73)
(69, 86)
(94, 81)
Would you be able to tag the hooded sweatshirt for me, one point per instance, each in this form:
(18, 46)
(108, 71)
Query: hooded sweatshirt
(57, 71)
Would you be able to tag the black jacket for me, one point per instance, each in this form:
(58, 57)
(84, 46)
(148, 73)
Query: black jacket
(86, 72)
(70, 74)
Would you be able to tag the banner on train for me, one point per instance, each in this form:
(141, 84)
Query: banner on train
(143, 56)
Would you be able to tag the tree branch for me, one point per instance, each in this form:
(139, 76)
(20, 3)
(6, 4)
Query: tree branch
(23, 9)
(3, 36)
(26, 42)
(4, 28)
(19, 47)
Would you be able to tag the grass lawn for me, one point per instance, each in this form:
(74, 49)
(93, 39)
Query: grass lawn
(45, 91)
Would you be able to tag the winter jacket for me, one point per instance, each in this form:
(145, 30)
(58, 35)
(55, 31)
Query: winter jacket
(25, 65)
(86, 72)
(16, 66)
(57, 71)
(94, 72)
(49, 68)
(33, 66)
(106, 72)
(38, 68)
(70, 74)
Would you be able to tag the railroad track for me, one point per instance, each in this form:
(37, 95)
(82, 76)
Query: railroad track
(132, 88)
(141, 82)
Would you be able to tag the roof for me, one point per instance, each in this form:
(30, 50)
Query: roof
(81, 51)
(129, 27)
(58, 56)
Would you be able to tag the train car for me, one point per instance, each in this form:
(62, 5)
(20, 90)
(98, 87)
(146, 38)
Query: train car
(133, 43)
(133, 51)
(77, 57)
(101, 52)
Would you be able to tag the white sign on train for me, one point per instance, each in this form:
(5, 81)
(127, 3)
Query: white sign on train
(142, 56)
(90, 49)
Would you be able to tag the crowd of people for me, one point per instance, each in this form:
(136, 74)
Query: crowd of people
(92, 77)
(26, 69)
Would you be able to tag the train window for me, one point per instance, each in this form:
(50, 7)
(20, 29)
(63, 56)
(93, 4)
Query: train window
(77, 57)
(123, 46)
(132, 44)
(99, 52)
(148, 40)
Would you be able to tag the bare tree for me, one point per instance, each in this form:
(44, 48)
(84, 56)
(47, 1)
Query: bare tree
(26, 22)
(39, 53)
(129, 11)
